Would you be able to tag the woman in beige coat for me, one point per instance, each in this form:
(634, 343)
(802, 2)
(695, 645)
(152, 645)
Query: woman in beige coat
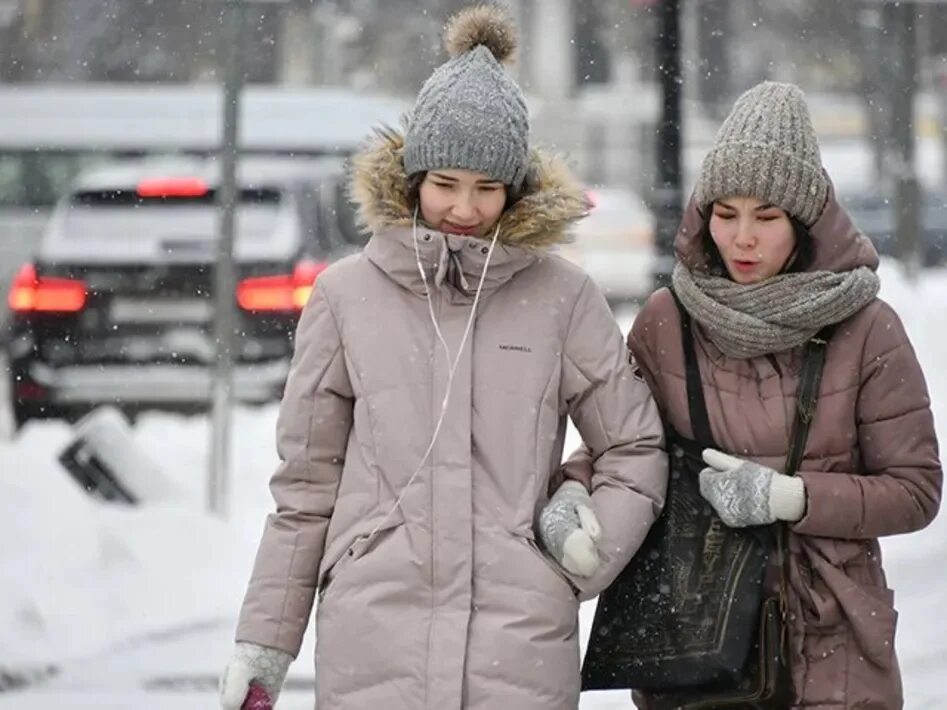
(767, 258)
(425, 412)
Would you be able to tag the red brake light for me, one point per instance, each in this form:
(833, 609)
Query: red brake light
(304, 278)
(32, 294)
(172, 187)
(284, 292)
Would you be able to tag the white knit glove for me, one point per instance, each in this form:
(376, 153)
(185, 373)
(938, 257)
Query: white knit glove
(569, 529)
(745, 493)
(252, 663)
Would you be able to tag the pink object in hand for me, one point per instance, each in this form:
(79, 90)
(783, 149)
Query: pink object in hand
(257, 699)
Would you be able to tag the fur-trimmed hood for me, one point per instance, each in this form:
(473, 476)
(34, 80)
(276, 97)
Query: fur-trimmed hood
(552, 202)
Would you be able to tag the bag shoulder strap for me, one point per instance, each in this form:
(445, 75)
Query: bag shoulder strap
(806, 402)
(807, 397)
(696, 404)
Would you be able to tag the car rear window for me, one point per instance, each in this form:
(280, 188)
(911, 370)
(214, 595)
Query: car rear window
(124, 213)
(131, 198)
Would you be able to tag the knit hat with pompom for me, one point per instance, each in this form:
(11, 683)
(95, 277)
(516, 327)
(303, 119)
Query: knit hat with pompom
(470, 113)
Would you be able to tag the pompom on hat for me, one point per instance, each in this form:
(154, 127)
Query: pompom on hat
(767, 148)
(470, 113)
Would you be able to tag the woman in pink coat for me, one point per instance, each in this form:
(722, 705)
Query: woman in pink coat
(766, 259)
(424, 415)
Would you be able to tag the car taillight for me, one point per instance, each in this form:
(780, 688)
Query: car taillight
(42, 294)
(172, 187)
(283, 292)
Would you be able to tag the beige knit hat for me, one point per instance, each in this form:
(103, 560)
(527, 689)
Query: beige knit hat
(767, 148)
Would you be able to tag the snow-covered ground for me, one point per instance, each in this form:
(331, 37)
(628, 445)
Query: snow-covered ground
(136, 606)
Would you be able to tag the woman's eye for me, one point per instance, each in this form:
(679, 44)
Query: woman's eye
(489, 188)
(768, 217)
(720, 215)
(443, 185)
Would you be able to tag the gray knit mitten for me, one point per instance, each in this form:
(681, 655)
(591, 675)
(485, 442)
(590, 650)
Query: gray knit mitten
(252, 663)
(745, 493)
(569, 529)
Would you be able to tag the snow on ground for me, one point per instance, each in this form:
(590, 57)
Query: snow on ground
(136, 606)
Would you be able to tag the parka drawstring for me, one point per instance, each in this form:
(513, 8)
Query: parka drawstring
(451, 270)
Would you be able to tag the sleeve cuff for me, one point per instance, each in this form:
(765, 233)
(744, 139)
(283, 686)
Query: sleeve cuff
(787, 498)
(571, 484)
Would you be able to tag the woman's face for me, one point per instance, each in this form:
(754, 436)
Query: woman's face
(754, 239)
(460, 201)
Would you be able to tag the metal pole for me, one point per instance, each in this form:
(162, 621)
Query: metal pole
(224, 279)
(667, 198)
(942, 90)
(906, 190)
(874, 80)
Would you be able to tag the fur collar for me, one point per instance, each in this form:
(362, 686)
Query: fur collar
(553, 200)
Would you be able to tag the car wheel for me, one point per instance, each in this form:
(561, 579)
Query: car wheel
(27, 411)
(22, 413)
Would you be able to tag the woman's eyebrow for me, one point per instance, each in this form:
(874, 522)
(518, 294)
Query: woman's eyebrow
(442, 176)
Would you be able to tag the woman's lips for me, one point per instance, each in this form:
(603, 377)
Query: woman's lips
(457, 229)
(742, 265)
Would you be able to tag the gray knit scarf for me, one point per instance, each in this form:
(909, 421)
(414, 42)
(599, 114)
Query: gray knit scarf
(777, 314)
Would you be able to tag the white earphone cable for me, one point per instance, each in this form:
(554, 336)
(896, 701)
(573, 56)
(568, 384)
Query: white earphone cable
(453, 363)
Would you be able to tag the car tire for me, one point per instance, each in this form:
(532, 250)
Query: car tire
(24, 412)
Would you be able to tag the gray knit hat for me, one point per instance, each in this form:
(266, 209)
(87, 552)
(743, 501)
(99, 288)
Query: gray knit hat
(470, 113)
(767, 148)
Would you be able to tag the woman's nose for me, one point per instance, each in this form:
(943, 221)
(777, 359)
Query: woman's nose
(746, 235)
(463, 208)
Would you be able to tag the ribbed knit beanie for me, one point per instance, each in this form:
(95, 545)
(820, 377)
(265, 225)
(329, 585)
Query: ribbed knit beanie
(767, 149)
(470, 113)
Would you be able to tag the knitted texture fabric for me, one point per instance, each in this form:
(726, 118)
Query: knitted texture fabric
(252, 663)
(767, 148)
(739, 496)
(780, 313)
(745, 493)
(470, 113)
(569, 530)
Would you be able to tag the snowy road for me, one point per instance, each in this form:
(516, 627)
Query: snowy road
(136, 606)
(174, 669)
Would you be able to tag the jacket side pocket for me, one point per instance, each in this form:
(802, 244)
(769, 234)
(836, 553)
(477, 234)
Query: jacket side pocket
(360, 546)
(529, 540)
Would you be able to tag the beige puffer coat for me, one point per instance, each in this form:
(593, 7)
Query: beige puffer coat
(444, 600)
(871, 465)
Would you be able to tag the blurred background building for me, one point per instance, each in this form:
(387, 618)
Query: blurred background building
(588, 66)
(592, 71)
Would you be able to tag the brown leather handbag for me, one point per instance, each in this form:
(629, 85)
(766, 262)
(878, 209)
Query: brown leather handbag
(687, 623)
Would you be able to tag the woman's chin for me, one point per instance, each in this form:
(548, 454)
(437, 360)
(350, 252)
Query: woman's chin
(744, 278)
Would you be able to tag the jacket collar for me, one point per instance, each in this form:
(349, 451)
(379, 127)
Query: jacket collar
(453, 264)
